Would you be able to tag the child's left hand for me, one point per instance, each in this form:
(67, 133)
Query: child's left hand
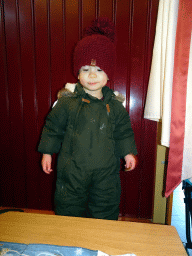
(130, 162)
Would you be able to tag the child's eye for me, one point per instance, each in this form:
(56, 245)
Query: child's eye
(99, 69)
(85, 69)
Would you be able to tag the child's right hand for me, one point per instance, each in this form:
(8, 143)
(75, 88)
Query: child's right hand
(46, 163)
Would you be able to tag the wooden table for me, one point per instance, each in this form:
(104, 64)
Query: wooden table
(111, 237)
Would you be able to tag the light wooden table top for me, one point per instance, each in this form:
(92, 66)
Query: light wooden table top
(111, 237)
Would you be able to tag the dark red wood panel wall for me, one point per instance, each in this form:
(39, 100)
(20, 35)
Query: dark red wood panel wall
(37, 41)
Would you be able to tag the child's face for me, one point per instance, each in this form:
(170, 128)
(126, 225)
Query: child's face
(92, 78)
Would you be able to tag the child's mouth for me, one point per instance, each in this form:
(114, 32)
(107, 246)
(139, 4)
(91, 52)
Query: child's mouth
(92, 83)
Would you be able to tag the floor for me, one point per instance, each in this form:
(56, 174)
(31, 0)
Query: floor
(178, 215)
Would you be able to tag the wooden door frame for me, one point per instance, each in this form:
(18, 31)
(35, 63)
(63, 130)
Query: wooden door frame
(162, 210)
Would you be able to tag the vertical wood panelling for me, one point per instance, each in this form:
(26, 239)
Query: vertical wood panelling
(145, 174)
(149, 129)
(88, 12)
(42, 56)
(6, 185)
(122, 84)
(43, 84)
(123, 28)
(37, 42)
(57, 37)
(72, 35)
(31, 136)
(106, 8)
(136, 72)
(16, 138)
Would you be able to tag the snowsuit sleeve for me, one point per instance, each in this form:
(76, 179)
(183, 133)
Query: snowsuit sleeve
(123, 133)
(54, 129)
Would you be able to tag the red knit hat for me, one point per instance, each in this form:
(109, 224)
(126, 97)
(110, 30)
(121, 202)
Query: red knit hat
(97, 48)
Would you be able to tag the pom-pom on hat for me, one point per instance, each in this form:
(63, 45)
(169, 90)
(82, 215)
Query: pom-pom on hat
(97, 48)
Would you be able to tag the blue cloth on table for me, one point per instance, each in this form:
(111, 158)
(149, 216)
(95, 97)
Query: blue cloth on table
(16, 249)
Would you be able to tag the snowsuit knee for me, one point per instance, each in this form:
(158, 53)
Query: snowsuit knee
(90, 136)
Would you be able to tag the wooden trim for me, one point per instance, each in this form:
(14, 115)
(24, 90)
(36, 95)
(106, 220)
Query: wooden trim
(169, 210)
(53, 213)
(28, 210)
(159, 205)
(135, 219)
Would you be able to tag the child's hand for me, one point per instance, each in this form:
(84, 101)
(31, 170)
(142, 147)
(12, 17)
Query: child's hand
(130, 162)
(46, 163)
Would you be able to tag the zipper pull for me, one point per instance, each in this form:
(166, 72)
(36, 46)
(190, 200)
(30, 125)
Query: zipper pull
(108, 108)
(85, 100)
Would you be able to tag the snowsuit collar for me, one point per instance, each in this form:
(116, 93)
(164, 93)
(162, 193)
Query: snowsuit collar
(72, 90)
(107, 94)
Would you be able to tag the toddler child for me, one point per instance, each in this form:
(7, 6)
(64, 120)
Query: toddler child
(91, 130)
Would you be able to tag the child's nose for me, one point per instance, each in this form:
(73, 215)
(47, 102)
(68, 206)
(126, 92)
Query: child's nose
(92, 74)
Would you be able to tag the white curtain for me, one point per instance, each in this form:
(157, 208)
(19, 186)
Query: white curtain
(159, 95)
(169, 96)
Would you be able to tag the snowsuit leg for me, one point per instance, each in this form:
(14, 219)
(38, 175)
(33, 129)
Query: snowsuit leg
(89, 193)
(104, 195)
(71, 194)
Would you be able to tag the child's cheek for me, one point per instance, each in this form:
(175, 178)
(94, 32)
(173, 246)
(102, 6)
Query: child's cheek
(82, 81)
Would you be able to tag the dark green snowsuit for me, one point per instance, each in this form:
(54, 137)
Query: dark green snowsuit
(91, 135)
